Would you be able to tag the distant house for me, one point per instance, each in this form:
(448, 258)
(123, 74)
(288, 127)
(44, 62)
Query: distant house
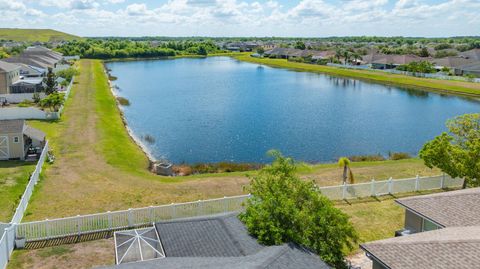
(441, 231)
(9, 74)
(473, 54)
(468, 69)
(390, 61)
(28, 85)
(213, 242)
(19, 141)
(450, 62)
(37, 56)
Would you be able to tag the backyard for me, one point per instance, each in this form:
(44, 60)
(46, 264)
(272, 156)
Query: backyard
(99, 168)
(14, 176)
(436, 85)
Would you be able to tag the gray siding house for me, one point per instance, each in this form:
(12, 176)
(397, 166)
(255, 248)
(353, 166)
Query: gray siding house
(444, 233)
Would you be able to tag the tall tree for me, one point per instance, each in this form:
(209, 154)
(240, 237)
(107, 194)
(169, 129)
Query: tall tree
(457, 153)
(283, 208)
(50, 82)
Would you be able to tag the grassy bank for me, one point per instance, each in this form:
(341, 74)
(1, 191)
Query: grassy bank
(443, 86)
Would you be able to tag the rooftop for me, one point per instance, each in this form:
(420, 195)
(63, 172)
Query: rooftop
(221, 241)
(8, 67)
(454, 247)
(11, 126)
(448, 209)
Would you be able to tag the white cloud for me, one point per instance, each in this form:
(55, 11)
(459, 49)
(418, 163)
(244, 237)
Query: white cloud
(137, 9)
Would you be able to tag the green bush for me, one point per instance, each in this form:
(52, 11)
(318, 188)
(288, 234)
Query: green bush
(26, 103)
(366, 158)
(67, 74)
(395, 156)
(123, 101)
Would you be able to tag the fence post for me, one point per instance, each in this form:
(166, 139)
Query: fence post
(152, 214)
(390, 185)
(109, 220)
(47, 228)
(372, 187)
(6, 243)
(174, 213)
(442, 182)
(130, 218)
(79, 225)
(417, 183)
(225, 205)
(344, 190)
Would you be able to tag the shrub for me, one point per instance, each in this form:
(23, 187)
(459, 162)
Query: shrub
(68, 74)
(149, 138)
(25, 103)
(367, 158)
(123, 101)
(182, 170)
(395, 156)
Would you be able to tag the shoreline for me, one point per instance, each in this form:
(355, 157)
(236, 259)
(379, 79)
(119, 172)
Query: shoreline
(130, 132)
(445, 87)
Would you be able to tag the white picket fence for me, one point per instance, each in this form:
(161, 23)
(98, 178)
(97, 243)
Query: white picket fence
(109, 221)
(7, 234)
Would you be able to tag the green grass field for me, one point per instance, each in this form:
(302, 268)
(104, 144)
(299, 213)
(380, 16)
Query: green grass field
(32, 35)
(14, 176)
(443, 86)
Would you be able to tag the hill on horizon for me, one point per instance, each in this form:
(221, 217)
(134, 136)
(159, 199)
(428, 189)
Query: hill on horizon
(32, 35)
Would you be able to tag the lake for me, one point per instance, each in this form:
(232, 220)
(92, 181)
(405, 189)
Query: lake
(219, 109)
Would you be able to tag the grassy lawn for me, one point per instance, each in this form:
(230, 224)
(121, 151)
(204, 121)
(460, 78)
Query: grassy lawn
(14, 176)
(445, 86)
(99, 168)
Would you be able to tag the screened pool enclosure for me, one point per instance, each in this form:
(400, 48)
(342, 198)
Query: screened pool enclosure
(137, 245)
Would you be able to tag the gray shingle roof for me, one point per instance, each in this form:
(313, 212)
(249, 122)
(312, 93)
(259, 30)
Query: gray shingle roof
(455, 247)
(221, 241)
(449, 209)
(8, 67)
(34, 133)
(11, 126)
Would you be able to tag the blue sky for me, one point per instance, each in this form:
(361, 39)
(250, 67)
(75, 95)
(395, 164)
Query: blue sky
(298, 18)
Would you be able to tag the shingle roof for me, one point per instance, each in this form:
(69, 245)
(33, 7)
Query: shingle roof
(8, 67)
(34, 133)
(472, 54)
(454, 208)
(455, 247)
(221, 241)
(11, 126)
(452, 61)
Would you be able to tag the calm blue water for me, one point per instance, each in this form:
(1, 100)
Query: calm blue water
(219, 109)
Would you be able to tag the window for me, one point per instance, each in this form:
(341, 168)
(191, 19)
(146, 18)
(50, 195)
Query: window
(429, 226)
(16, 139)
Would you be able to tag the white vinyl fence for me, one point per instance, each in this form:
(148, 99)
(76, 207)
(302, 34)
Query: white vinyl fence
(411, 74)
(7, 234)
(109, 221)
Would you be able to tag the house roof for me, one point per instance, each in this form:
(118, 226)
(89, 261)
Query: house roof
(471, 67)
(452, 61)
(471, 54)
(11, 126)
(448, 209)
(393, 59)
(34, 133)
(221, 241)
(454, 247)
(8, 67)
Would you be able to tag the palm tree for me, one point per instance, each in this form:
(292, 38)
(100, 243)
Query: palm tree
(356, 57)
(347, 171)
(346, 55)
(338, 54)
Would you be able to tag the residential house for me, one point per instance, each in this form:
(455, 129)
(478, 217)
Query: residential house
(28, 71)
(9, 74)
(28, 85)
(37, 56)
(19, 141)
(219, 241)
(473, 54)
(441, 231)
(468, 69)
(390, 61)
(450, 62)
